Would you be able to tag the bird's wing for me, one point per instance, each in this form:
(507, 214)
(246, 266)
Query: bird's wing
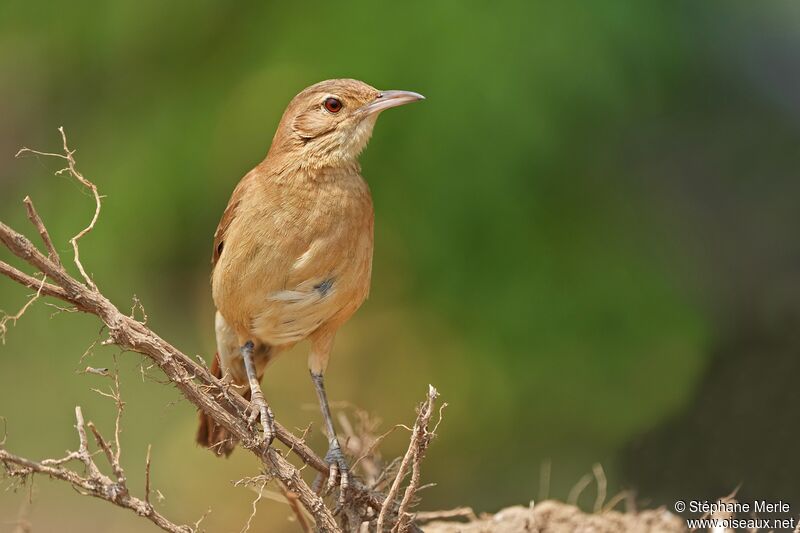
(228, 216)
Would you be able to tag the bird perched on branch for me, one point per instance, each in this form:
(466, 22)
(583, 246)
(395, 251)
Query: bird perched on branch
(292, 254)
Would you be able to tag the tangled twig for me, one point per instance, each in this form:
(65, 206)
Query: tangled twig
(420, 439)
(72, 169)
(93, 483)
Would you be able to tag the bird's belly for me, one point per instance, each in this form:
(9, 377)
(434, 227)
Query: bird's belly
(327, 284)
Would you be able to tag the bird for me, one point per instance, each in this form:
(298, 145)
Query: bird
(292, 254)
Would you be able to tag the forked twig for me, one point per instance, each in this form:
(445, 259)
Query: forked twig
(72, 169)
(420, 439)
(93, 482)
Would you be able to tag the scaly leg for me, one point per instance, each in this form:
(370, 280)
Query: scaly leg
(258, 405)
(334, 457)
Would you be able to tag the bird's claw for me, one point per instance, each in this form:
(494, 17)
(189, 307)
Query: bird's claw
(260, 409)
(338, 468)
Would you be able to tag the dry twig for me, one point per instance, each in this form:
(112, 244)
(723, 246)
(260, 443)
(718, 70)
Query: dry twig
(578, 489)
(72, 169)
(147, 474)
(602, 486)
(93, 483)
(449, 514)
(420, 439)
(260, 494)
(292, 500)
(13, 318)
(34, 217)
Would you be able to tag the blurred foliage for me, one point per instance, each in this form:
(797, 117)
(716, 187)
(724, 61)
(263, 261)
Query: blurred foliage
(546, 226)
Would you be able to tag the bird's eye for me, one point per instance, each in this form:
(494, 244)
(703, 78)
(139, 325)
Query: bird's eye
(334, 105)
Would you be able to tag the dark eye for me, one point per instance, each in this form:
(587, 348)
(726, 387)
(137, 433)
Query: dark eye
(334, 105)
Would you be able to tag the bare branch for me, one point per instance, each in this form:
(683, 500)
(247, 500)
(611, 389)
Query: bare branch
(199, 520)
(72, 170)
(147, 475)
(5, 319)
(87, 486)
(34, 217)
(458, 512)
(48, 289)
(23, 248)
(602, 486)
(110, 456)
(578, 489)
(292, 500)
(93, 483)
(420, 439)
(260, 494)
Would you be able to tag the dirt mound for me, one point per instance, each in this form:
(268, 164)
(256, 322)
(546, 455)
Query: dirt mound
(556, 517)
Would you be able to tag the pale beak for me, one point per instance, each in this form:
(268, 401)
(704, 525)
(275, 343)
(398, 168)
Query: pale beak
(387, 99)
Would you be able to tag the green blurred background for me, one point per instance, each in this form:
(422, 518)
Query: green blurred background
(586, 237)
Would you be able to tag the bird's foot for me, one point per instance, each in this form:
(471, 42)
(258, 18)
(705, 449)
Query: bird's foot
(339, 471)
(260, 409)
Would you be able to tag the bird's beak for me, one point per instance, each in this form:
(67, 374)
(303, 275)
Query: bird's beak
(387, 99)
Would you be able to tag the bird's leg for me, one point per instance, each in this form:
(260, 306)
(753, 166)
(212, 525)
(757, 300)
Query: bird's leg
(334, 457)
(258, 405)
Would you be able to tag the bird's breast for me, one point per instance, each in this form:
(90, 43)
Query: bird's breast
(298, 260)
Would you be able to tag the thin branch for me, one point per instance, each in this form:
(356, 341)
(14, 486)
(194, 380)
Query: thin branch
(420, 439)
(72, 170)
(110, 457)
(34, 217)
(458, 512)
(615, 500)
(199, 520)
(578, 489)
(5, 319)
(374, 446)
(93, 482)
(260, 494)
(602, 487)
(411, 489)
(25, 467)
(147, 475)
(48, 289)
(292, 500)
(423, 439)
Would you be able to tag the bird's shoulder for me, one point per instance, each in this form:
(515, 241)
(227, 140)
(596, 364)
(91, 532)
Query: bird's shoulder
(245, 187)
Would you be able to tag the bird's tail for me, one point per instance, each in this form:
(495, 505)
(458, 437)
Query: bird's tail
(211, 435)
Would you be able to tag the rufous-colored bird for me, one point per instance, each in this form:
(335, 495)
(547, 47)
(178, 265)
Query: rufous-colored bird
(292, 254)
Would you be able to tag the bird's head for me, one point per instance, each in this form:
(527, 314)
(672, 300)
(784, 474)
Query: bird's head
(330, 123)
